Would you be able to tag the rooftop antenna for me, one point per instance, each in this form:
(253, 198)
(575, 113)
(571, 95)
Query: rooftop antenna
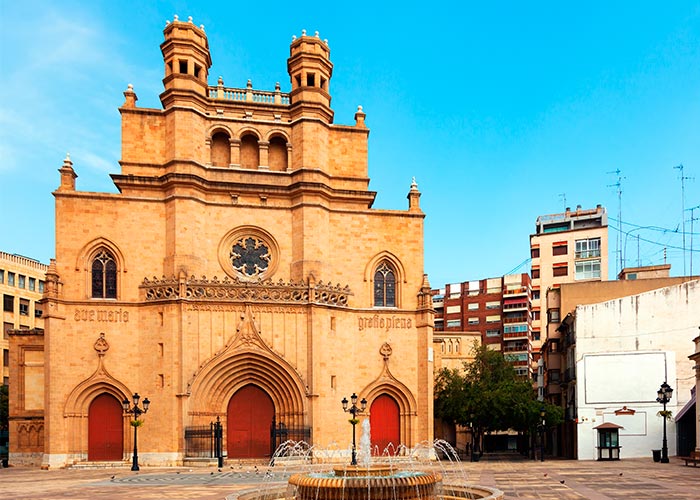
(692, 234)
(683, 179)
(618, 185)
(562, 196)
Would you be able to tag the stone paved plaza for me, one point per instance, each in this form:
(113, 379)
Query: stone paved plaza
(519, 479)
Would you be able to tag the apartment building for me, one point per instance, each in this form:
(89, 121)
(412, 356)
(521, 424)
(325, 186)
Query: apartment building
(497, 311)
(21, 285)
(566, 247)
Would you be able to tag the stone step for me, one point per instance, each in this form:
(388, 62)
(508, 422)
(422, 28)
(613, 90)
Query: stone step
(101, 465)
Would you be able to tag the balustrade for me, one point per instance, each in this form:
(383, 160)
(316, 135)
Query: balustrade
(248, 95)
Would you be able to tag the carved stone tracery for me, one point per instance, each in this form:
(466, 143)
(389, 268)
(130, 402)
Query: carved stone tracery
(239, 290)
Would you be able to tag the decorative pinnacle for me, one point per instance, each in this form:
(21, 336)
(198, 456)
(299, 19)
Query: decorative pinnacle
(221, 80)
(294, 37)
(316, 34)
(303, 32)
(189, 19)
(67, 163)
(359, 109)
(130, 88)
(414, 185)
(201, 27)
(176, 17)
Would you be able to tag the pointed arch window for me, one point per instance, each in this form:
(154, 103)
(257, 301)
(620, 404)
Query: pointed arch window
(104, 275)
(385, 286)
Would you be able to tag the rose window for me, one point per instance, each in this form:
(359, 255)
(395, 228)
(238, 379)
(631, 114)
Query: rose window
(250, 256)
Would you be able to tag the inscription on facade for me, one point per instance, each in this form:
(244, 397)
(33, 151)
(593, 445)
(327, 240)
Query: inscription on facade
(102, 315)
(383, 323)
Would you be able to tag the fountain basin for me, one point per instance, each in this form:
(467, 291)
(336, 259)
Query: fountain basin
(376, 482)
(460, 492)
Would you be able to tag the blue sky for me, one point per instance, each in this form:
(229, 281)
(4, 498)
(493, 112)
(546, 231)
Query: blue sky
(503, 111)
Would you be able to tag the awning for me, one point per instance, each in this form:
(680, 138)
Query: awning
(608, 425)
(687, 406)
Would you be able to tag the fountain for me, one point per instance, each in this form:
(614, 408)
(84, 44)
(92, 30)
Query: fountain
(406, 474)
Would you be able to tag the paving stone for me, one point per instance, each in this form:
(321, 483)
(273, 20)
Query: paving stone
(630, 479)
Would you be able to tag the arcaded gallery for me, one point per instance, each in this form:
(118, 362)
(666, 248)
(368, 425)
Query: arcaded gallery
(240, 273)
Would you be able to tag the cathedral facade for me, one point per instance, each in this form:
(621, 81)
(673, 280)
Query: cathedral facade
(239, 274)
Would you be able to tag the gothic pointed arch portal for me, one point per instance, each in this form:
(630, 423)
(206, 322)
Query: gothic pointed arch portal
(250, 414)
(384, 421)
(105, 429)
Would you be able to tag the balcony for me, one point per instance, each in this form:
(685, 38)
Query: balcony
(520, 318)
(518, 362)
(521, 306)
(514, 292)
(516, 335)
(588, 254)
(516, 348)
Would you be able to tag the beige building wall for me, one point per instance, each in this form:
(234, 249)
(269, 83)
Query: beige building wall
(555, 257)
(21, 286)
(188, 324)
(639, 341)
(22, 283)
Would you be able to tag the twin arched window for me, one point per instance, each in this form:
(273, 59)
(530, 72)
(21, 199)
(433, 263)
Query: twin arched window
(104, 275)
(385, 285)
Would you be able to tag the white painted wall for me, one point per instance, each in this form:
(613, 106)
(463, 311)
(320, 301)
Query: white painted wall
(625, 349)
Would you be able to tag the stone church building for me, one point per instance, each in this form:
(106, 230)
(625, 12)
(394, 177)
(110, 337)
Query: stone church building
(240, 273)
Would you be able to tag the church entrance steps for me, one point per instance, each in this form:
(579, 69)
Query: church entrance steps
(101, 465)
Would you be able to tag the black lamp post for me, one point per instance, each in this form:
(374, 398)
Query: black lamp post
(543, 426)
(136, 411)
(664, 396)
(354, 410)
(472, 452)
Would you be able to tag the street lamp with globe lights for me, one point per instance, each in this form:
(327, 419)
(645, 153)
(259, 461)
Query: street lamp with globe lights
(664, 396)
(354, 410)
(136, 411)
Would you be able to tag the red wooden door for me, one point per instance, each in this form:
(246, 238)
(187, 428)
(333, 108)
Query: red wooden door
(384, 425)
(105, 429)
(249, 417)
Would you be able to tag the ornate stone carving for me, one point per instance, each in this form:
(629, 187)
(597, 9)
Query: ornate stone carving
(238, 290)
(250, 256)
(101, 345)
(385, 350)
(247, 334)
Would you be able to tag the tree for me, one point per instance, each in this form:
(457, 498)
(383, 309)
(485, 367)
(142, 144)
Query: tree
(490, 396)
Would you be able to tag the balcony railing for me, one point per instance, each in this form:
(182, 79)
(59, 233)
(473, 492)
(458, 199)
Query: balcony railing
(512, 307)
(587, 254)
(248, 95)
(517, 348)
(516, 335)
(516, 319)
(517, 291)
